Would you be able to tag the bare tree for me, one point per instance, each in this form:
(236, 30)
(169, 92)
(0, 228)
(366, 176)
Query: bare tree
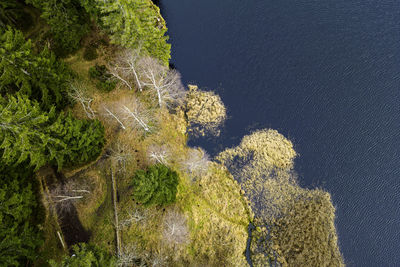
(164, 82)
(129, 254)
(125, 68)
(197, 162)
(158, 260)
(130, 113)
(133, 216)
(64, 195)
(136, 115)
(77, 93)
(120, 155)
(159, 154)
(113, 115)
(175, 228)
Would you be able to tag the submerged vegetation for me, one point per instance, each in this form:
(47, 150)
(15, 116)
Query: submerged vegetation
(94, 161)
(295, 226)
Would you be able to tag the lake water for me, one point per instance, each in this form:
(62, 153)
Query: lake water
(326, 74)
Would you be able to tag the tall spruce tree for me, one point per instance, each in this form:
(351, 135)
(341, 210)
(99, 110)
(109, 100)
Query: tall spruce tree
(86, 255)
(29, 134)
(19, 236)
(68, 22)
(40, 76)
(10, 11)
(133, 24)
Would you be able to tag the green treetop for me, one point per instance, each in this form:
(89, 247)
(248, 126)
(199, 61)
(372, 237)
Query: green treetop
(18, 236)
(40, 76)
(29, 134)
(133, 24)
(10, 11)
(68, 22)
(88, 256)
(156, 186)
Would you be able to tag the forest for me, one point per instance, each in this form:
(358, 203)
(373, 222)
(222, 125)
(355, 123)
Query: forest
(94, 164)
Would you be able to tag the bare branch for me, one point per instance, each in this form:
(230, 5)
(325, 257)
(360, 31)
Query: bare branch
(197, 162)
(134, 216)
(113, 115)
(120, 155)
(158, 154)
(77, 93)
(124, 68)
(175, 228)
(129, 254)
(64, 195)
(130, 113)
(165, 83)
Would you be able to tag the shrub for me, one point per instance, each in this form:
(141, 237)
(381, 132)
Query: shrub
(156, 186)
(86, 255)
(104, 81)
(90, 52)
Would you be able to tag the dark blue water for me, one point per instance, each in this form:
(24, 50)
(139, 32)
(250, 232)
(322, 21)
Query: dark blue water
(326, 74)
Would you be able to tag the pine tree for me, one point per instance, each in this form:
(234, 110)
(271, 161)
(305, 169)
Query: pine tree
(29, 134)
(40, 76)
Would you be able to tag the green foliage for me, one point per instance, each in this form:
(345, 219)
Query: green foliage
(19, 238)
(133, 24)
(156, 186)
(84, 139)
(10, 12)
(105, 81)
(40, 76)
(28, 133)
(90, 52)
(68, 22)
(88, 256)
(23, 136)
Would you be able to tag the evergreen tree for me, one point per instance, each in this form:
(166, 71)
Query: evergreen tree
(68, 22)
(133, 24)
(10, 11)
(41, 76)
(156, 186)
(86, 255)
(29, 134)
(84, 139)
(19, 237)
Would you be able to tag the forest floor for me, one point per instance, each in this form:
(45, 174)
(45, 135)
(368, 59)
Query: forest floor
(216, 212)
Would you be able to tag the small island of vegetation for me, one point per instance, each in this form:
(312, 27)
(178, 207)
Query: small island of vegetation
(94, 163)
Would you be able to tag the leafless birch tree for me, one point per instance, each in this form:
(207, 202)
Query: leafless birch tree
(132, 216)
(130, 113)
(120, 154)
(197, 162)
(64, 195)
(125, 68)
(77, 93)
(159, 154)
(164, 82)
(175, 228)
(129, 254)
